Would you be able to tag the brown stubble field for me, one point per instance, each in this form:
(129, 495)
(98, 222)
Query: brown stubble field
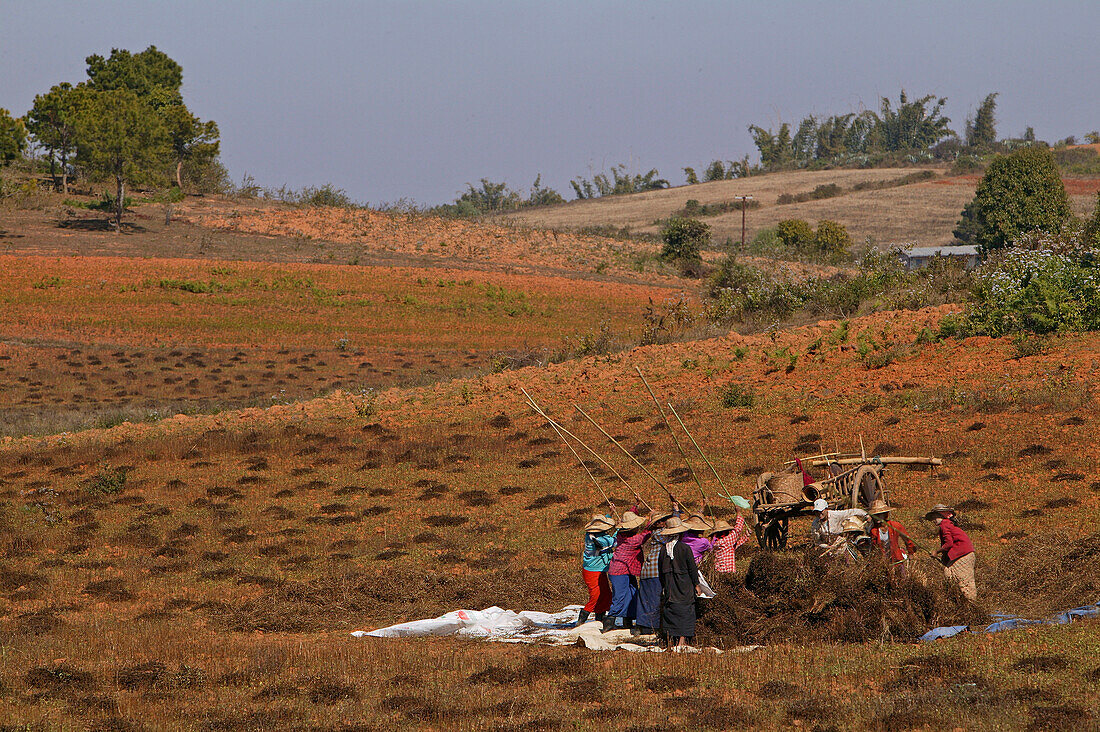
(215, 585)
(204, 571)
(95, 340)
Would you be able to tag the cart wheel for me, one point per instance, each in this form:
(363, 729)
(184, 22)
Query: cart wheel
(773, 534)
(759, 529)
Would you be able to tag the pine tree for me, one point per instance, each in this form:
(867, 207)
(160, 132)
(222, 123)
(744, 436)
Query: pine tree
(982, 132)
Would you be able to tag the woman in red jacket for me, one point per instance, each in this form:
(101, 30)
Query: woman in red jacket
(957, 552)
(889, 537)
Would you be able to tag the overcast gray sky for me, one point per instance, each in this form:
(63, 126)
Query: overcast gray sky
(414, 99)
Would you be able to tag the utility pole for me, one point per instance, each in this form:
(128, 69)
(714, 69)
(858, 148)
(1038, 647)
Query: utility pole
(744, 204)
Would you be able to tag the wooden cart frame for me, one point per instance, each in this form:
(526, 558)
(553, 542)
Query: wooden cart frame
(856, 486)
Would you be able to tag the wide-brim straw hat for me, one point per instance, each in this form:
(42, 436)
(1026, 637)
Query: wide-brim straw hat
(598, 523)
(719, 527)
(675, 526)
(695, 522)
(657, 518)
(631, 520)
(879, 506)
(940, 510)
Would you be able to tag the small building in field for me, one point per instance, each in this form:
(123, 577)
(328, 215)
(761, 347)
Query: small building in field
(917, 257)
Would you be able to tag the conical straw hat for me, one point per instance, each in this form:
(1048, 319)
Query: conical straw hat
(675, 526)
(598, 523)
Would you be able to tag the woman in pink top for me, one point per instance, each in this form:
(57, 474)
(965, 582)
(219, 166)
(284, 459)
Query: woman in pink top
(626, 565)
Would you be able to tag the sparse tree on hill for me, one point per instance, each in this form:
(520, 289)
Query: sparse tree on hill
(193, 141)
(13, 137)
(120, 137)
(489, 196)
(692, 177)
(150, 74)
(541, 195)
(982, 130)
(775, 148)
(52, 123)
(912, 125)
(1019, 193)
(620, 181)
(715, 171)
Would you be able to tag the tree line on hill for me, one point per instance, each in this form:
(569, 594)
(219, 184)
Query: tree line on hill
(905, 132)
(127, 123)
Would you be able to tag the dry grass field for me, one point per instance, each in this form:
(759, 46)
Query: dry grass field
(204, 570)
(924, 213)
(109, 332)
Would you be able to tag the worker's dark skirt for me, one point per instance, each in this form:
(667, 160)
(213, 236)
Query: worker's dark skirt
(678, 619)
(649, 603)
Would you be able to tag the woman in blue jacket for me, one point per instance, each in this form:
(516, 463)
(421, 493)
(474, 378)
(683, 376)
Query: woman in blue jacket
(599, 545)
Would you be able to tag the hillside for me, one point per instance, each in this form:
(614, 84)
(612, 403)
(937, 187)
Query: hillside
(924, 213)
(269, 534)
(311, 422)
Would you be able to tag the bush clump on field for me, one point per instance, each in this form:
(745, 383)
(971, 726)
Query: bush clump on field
(739, 293)
(684, 238)
(736, 395)
(108, 481)
(1038, 290)
(1020, 193)
(825, 190)
(795, 234)
(832, 238)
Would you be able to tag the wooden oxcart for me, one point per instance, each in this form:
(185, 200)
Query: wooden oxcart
(853, 482)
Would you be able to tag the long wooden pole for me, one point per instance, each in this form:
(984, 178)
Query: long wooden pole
(579, 460)
(583, 444)
(626, 452)
(699, 449)
(675, 440)
(883, 460)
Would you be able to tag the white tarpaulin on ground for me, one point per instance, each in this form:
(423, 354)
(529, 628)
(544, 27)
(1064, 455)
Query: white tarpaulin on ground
(527, 626)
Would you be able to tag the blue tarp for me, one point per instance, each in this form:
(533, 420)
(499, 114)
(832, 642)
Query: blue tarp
(1009, 622)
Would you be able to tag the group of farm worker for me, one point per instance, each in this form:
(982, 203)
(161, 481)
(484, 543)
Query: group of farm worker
(854, 533)
(642, 572)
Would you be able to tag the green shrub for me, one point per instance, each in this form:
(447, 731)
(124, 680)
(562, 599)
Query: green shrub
(364, 401)
(825, 190)
(1020, 193)
(326, 195)
(1027, 344)
(880, 357)
(108, 481)
(736, 395)
(832, 238)
(1091, 232)
(684, 238)
(795, 233)
(1078, 160)
(1040, 290)
(732, 275)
